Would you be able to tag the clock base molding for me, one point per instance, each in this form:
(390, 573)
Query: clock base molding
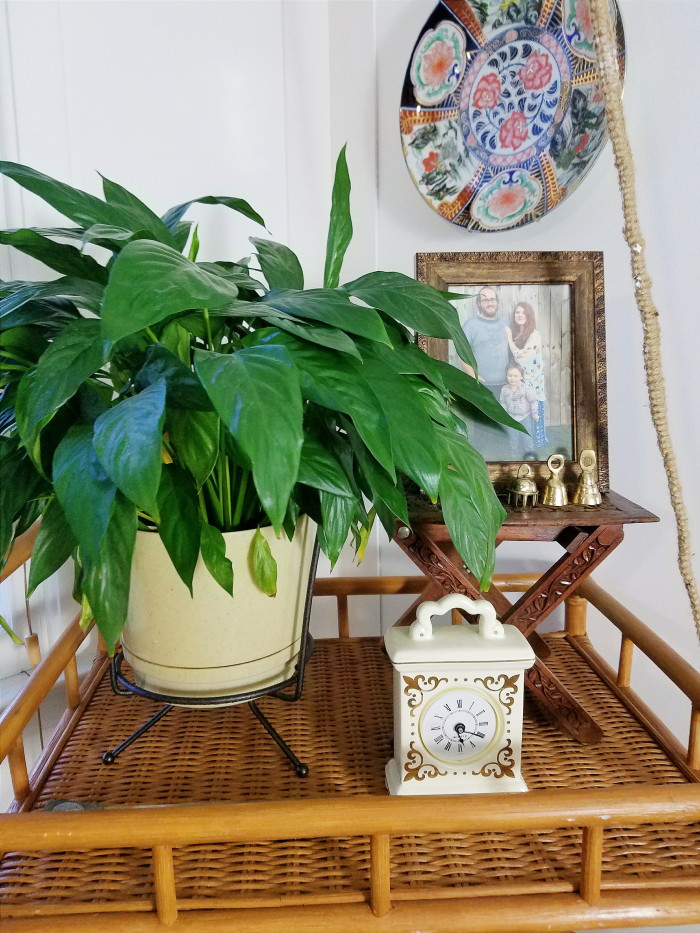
(400, 784)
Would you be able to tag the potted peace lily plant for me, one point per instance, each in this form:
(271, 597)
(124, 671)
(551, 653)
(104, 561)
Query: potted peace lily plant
(182, 426)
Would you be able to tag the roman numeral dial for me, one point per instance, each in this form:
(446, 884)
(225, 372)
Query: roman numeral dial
(460, 724)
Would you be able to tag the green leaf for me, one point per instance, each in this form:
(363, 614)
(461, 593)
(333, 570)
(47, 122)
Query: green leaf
(184, 390)
(111, 237)
(412, 433)
(214, 556)
(31, 512)
(150, 281)
(279, 264)
(26, 342)
(19, 483)
(257, 396)
(80, 292)
(409, 358)
(80, 207)
(181, 234)
(94, 398)
(74, 355)
(57, 256)
(379, 487)
(193, 251)
(129, 440)
(332, 307)
(6, 627)
(338, 513)
(470, 505)
(175, 338)
(233, 272)
(106, 579)
(85, 492)
(194, 436)
(179, 526)
(414, 304)
(340, 226)
(172, 217)
(51, 315)
(472, 533)
(54, 544)
(319, 469)
(329, 337)
(338, 385)
(262, 564)
(142, 216)
(471, 390)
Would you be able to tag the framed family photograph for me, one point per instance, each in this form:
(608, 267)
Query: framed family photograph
(536, 325)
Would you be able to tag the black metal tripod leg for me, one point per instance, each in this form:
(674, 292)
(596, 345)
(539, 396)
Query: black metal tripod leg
(301, 769)
(110, 757)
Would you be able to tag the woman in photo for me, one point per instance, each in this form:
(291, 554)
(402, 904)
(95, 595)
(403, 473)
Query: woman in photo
(525, 345)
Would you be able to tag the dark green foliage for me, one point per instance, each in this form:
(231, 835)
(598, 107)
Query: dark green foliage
(190, 399)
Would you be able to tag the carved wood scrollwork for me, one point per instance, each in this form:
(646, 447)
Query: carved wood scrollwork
(439, 570)
(534, 607)
(570, 715)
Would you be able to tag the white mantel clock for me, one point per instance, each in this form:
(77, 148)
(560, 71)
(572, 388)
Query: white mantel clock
(458, 702)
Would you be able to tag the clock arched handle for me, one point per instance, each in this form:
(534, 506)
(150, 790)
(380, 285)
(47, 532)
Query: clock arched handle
(489, 626)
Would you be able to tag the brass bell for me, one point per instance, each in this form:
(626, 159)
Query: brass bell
(555, 491)
(587, 492)
(523, 489)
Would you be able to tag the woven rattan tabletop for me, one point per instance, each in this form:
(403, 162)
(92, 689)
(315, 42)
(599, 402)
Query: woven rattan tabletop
(342, 727)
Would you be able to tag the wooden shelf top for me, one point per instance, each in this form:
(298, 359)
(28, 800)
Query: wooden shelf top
(614, 510)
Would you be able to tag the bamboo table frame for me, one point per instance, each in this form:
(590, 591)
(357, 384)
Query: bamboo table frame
(606, 837)
(587, 535)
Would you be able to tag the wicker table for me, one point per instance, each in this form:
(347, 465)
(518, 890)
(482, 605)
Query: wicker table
(587, 535)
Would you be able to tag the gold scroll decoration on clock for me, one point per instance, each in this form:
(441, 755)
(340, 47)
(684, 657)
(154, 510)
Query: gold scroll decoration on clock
(505, 686)
(416, 692)
(502, 766)
(416, 769)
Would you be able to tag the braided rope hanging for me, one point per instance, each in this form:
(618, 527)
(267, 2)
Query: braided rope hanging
(612, 94)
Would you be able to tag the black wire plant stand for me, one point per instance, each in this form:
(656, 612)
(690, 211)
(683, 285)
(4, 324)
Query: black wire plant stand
(288, 690)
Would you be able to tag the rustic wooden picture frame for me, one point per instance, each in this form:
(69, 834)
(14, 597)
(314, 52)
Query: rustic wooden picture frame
(583, 363)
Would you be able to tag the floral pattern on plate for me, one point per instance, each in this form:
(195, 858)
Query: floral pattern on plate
(494, 15)
(506, 200)
(514, 96)
(578, 27)
(517, 127)
(438, 64)
(439, 161)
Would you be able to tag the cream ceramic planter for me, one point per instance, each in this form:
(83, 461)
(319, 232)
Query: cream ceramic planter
(215, 644)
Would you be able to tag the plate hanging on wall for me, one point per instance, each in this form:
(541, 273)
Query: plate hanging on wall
(502, 114)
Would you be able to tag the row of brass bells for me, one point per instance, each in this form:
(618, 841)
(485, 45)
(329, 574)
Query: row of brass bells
(524, 492)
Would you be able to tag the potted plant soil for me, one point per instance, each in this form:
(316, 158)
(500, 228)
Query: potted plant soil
(184, 429)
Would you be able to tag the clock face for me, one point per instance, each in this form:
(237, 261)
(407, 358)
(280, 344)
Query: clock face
(459, 724)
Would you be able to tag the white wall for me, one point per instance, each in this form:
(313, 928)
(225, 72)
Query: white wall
(180, 99)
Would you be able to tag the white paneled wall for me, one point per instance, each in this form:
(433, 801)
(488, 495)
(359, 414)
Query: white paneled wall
(255, 98)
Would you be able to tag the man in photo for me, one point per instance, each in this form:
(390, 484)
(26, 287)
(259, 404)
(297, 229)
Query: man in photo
(487, 334)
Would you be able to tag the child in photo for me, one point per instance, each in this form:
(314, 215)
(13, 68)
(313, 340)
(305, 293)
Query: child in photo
(520, 401)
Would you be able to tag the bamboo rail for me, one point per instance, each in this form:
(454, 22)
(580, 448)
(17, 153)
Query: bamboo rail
(19, 551)
(558, 912)
(322, 817)
(20, 711)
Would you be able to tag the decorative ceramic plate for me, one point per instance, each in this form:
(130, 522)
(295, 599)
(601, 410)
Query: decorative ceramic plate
(501, 112)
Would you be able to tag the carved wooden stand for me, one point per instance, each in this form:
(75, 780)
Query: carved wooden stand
(587, 535)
